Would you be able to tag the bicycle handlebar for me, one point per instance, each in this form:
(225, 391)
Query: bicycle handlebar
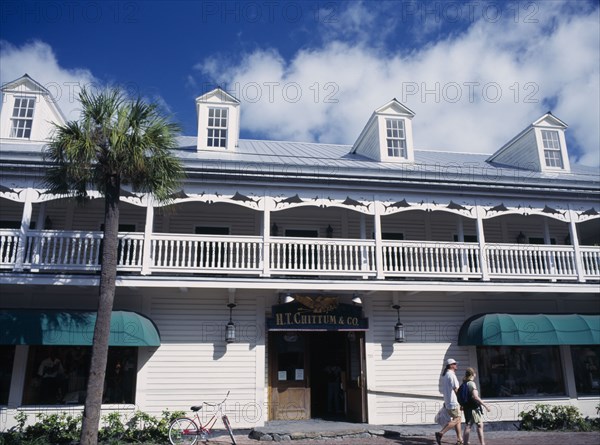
(217, 404)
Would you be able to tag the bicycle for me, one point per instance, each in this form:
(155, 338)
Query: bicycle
(184, 430)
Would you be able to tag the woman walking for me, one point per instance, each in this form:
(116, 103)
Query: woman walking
(473, 411)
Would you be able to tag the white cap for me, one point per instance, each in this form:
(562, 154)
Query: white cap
(451, 361)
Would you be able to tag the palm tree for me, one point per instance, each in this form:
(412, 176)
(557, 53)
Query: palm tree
(116, 141)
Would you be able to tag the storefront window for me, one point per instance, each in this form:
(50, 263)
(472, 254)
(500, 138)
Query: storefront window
(58, 375)
(586, 366)
(7, 354)
(290, 357)
(509, 371)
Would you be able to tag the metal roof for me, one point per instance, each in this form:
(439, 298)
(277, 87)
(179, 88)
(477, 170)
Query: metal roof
(333, 160)
(318, 155)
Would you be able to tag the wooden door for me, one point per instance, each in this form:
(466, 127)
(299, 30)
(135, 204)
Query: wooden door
(356, 388)
(289, 376)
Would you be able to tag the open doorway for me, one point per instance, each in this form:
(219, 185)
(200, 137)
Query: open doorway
(338, 376)
(318, 375)
(328, 369)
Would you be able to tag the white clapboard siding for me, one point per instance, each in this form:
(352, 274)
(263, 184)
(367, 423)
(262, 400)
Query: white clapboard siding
(369, 146)
(10, 210)
(522, 153)
(411, 224)
(444, 226)
(406, 375)
(194, 364)
(493, 230)
(187, 216)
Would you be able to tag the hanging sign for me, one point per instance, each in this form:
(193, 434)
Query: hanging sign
(320, 313)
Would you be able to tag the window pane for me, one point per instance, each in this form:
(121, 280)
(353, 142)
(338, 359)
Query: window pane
(586, 366)
(508, 371)
(57, 375)
(396, 141)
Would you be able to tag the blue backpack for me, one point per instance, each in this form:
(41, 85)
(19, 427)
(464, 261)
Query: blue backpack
(464, 396)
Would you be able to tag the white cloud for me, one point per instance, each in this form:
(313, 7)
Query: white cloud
(39, 61)
(471, 91)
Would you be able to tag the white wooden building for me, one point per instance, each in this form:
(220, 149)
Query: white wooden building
(491, 260)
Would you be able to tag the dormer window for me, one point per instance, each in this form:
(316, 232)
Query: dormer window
(552, 153)
(540, 147)
(217, 127)
(22, 117)
(396, 138)
(387, 136)
(218, 121)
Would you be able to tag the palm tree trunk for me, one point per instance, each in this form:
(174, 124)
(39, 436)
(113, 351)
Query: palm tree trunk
(108, 275)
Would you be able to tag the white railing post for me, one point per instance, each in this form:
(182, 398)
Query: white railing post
(266, 250)
(378, 242)
(25, 222)
(481, 239)
(575, 240)
(148, 230)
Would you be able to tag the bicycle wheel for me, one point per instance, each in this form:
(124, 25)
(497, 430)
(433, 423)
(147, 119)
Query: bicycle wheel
(228, 428)
(183, 431)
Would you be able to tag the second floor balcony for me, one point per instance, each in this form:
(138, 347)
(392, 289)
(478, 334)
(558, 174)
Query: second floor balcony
(231, 234)
(68, 251)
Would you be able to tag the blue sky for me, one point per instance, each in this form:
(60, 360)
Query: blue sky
(476, 73)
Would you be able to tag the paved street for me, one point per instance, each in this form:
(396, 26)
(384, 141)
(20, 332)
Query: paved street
(492, 438)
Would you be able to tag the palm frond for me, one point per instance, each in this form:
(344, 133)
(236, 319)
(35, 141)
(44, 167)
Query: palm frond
(116, 137)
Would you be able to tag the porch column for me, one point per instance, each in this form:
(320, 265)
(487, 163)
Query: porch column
(378, 243)
(148, 230)
(575, 240)
(483, 265)
(266, 250)
(25, 222)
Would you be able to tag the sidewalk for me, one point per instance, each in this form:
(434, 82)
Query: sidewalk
(320, 432)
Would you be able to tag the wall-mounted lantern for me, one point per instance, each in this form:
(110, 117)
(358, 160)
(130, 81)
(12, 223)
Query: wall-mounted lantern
(230, 328)
(399, 328)
(274, 230)
(521, 238)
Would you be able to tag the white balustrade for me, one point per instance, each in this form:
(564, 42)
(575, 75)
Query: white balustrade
(531, 261)
(80, 251)
(205, 254)
(62, 250)
(426, 258)
(306, 256)
(591, 261)
(9, 241)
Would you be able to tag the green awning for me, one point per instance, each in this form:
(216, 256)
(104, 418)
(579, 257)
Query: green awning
(530, 330)
(76, 328)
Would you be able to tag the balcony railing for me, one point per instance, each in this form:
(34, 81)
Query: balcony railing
(77, 251)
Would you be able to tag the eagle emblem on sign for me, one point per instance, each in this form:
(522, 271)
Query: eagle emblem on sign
(318, 305)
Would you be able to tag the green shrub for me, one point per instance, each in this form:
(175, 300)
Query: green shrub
(119, 428)
(553, 417)
(54, 429)
(140, 427)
